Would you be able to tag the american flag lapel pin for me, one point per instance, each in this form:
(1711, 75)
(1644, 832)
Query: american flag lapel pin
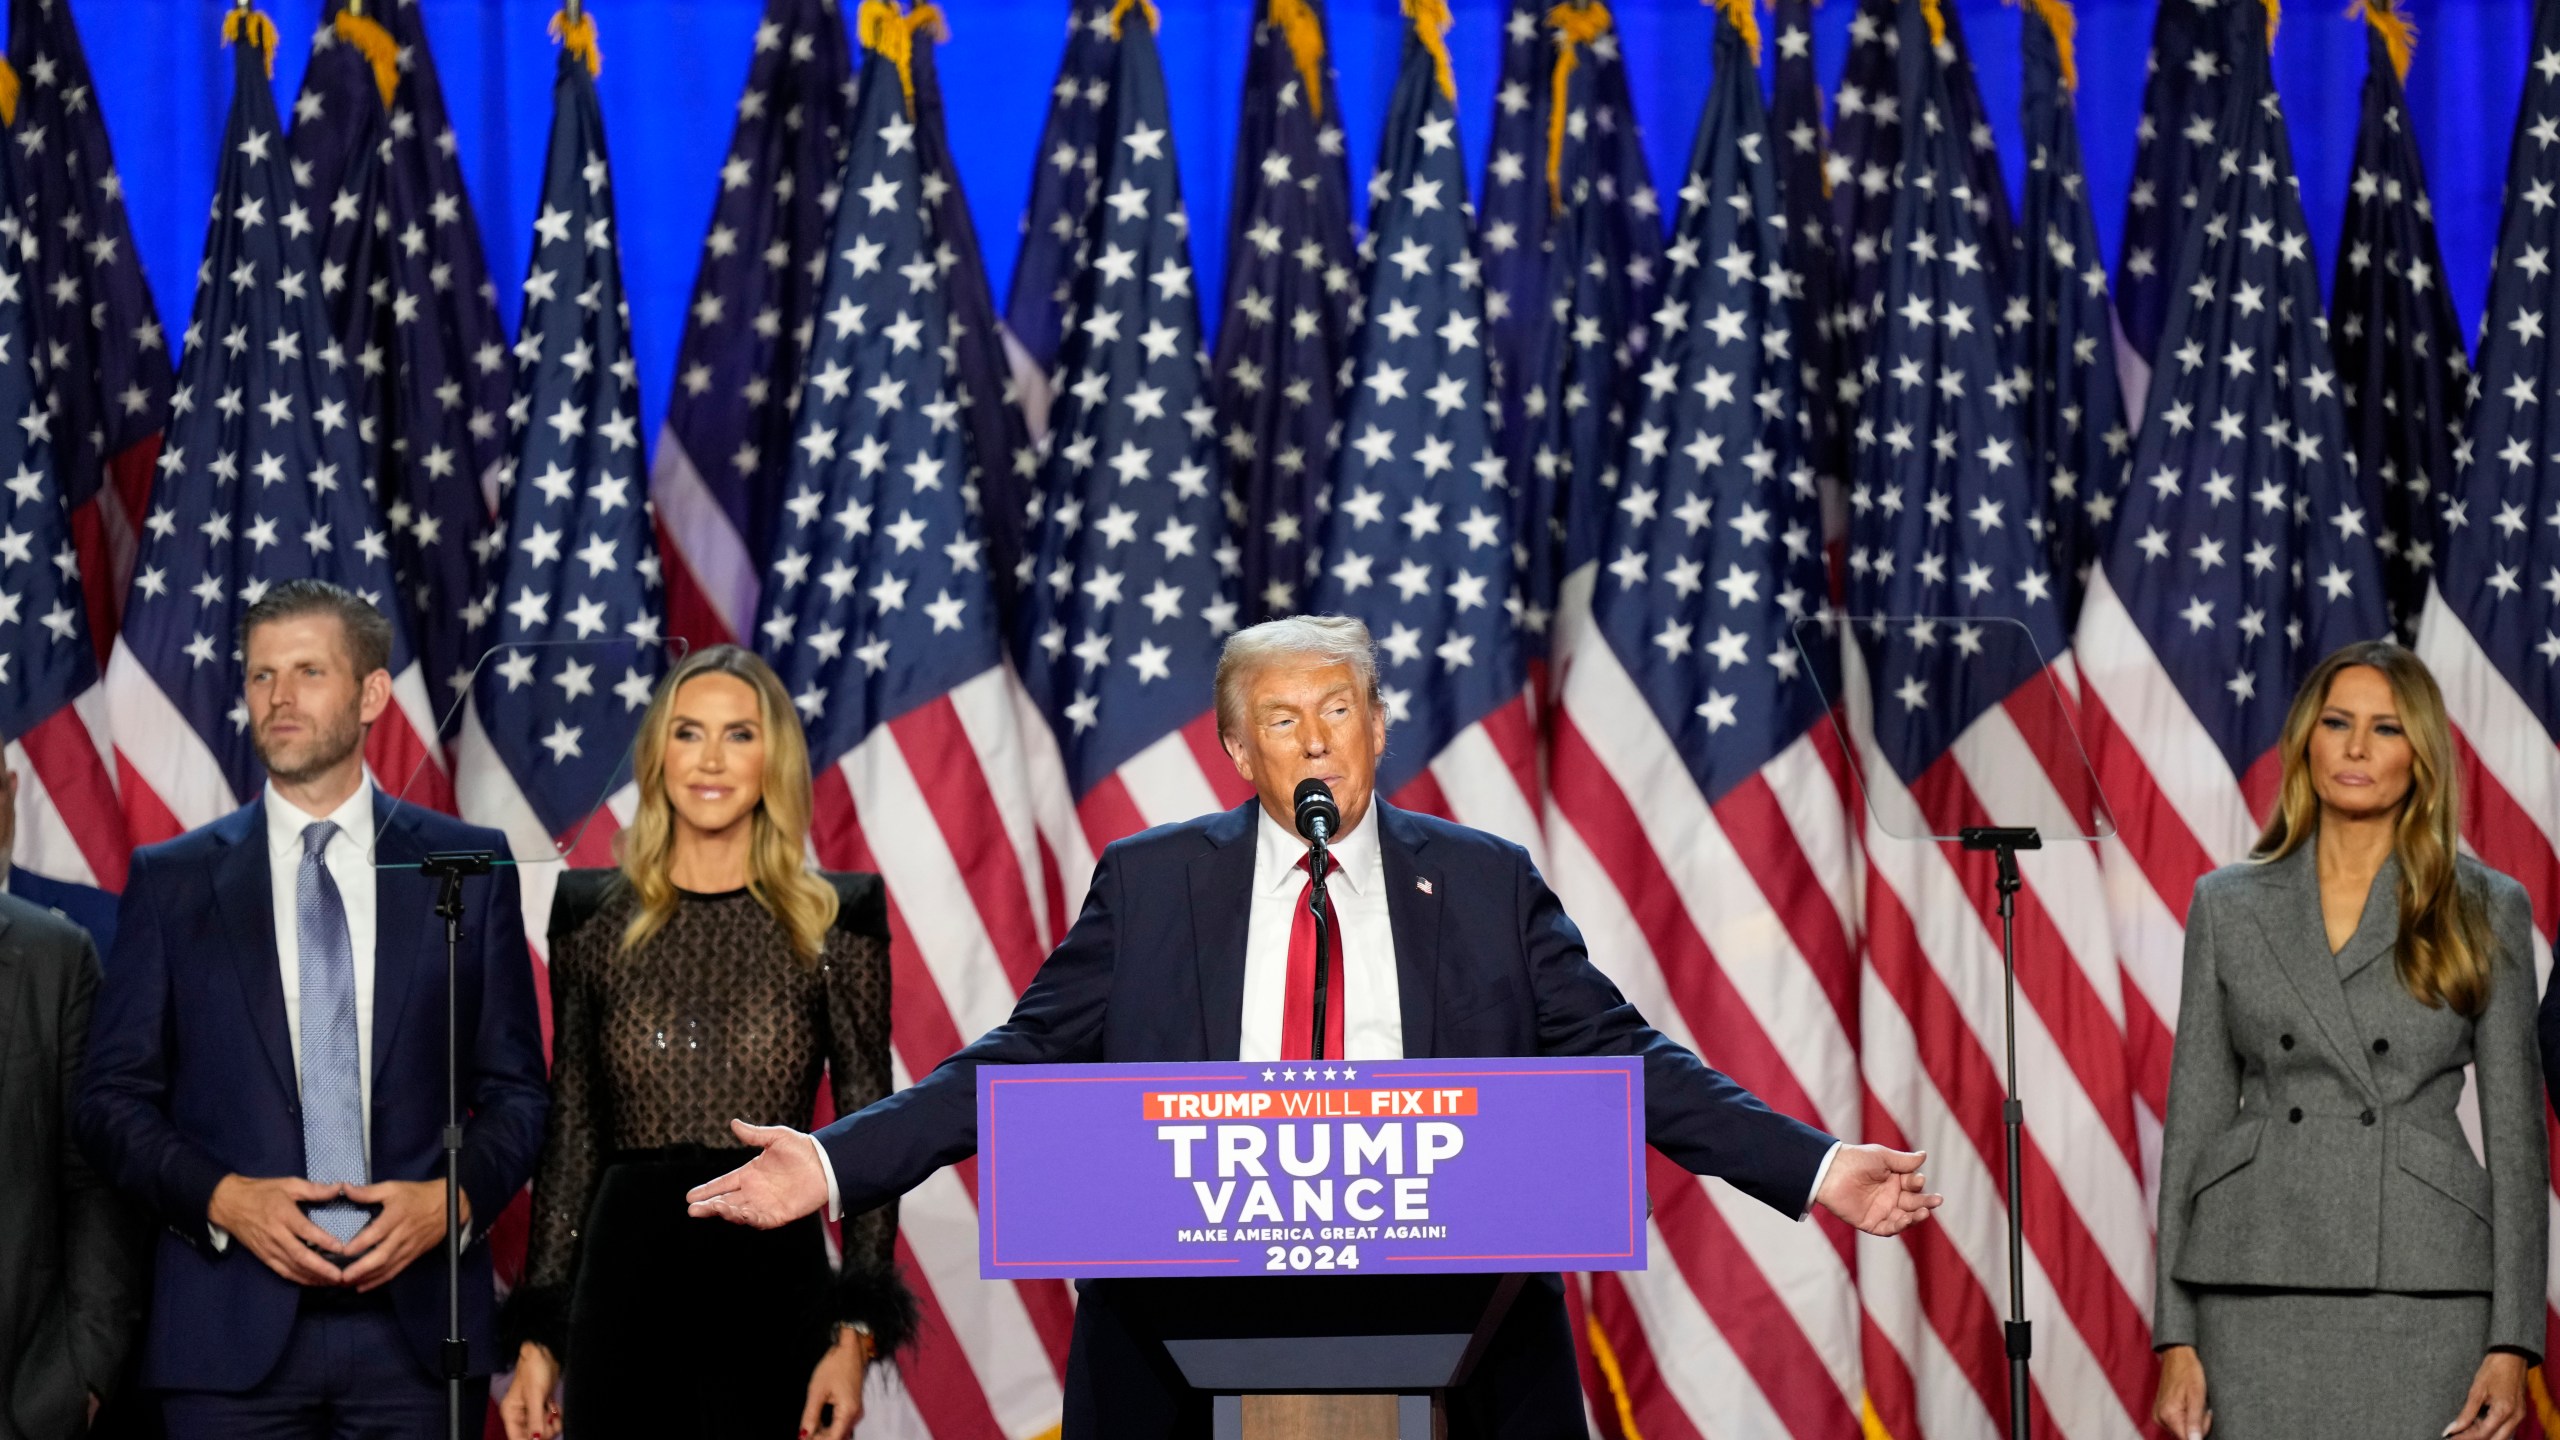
(1422, 885)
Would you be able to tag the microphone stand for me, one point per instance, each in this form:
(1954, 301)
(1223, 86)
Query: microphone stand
(1318, 862)
(2004, 843)
(450, 866)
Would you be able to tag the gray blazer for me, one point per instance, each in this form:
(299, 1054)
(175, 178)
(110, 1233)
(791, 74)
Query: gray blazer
(2311, 1138)
(71, 1251)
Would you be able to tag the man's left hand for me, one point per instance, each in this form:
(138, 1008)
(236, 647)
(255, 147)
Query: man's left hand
(411, 1223)
(1878, 1190)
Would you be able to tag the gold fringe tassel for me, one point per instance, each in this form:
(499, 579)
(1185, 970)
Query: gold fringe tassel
(1871, 1424)
(1576, 25)
(1606, 1357)
(1937, 19)
(2399, 33)
(1740, 13)
(1305, 34)
(1120, 14)
(8, 92)
(2058, 17)
(2275, 17)
(885, 29)
(578, 37)
(2543, 1409)
(1431, 23)
(242, 23)
(376, 46)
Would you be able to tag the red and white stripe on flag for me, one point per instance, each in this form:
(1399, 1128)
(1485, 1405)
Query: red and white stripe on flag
(1931, 1026)
(961, 807)
(69, 825)
(1729, 927)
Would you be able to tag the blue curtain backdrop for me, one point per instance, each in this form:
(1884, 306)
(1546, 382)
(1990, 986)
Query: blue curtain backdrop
(673, 67)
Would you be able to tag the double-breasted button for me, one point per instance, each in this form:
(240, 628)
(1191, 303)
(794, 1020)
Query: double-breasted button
(2294, 1115)
(2285, 1040)
(2381, 1047)
(2367, 1117)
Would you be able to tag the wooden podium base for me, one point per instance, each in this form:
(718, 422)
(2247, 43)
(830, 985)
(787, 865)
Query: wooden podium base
(1327, 1417)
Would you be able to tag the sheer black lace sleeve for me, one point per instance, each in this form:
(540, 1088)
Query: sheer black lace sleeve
(564, 1179)
(857, 999)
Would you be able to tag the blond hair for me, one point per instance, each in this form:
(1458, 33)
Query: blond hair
(778, 875)
(1321, 639)
(2445, 946)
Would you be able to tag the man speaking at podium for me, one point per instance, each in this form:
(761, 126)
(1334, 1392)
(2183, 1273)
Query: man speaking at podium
(1196, 943)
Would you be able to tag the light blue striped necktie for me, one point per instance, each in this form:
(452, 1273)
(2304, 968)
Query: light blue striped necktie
(332, 1061)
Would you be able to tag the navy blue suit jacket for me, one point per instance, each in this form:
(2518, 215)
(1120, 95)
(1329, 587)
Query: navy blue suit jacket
(192, 1076)
(1486, 965)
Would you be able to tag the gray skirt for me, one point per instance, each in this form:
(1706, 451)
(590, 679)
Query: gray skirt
(2331, 1365)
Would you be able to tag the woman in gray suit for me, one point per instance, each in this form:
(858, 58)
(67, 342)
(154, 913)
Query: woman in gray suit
(2332, 1261)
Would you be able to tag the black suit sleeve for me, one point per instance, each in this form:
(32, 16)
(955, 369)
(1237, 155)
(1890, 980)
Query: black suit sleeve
(123, 1115)
(887, 1149)
(1693, 1113)
(509, 1095)
(104, 1266)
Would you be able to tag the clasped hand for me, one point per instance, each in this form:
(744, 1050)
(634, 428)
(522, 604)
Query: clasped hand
(267, 1217)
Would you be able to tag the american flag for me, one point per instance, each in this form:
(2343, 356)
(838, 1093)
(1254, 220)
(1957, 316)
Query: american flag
(1512, 207)
(1292, 285)
(1867, 145)
(1603, 281)
(2491, 630)
(2244, 549)
(1953, 730)
(417, 316)
(725, 447)
(1696, 824)
(1813, 251)
(1417, 542)
(71, 848)
(2174, 144)
(881, 618)
(573, 572)
(2403, 367)
(1866, 126)
(990, 394)
(106, 360)
(1063, 177)
(2076, 440)
(262, 480)
(1129, 587)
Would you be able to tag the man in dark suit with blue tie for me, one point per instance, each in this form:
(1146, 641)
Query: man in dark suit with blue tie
(1191, 948)
(266, 1068)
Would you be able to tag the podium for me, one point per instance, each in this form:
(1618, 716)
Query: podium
(1366, 1357)
(1326, 1249)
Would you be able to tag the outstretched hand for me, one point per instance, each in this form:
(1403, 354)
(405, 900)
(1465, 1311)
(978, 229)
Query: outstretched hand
(1878, 1190)
(775, 1188)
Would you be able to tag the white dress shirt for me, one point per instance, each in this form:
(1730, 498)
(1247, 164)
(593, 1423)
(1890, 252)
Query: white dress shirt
(1364, 984)
(349, 859)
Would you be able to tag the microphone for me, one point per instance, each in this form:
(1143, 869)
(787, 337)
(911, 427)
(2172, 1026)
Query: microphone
(1318, 816)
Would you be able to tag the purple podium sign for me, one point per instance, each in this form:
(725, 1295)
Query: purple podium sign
(1347, 1167)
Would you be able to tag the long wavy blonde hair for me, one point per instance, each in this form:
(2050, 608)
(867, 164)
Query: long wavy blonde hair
(2445, 944)
(778, 875)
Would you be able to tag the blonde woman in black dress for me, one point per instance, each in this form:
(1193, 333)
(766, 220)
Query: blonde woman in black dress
(713, 975)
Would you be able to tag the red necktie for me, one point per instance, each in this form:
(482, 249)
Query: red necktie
(1298, 1012)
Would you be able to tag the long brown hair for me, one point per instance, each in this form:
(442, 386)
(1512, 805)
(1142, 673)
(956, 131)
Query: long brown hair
(2445, 944)
(778, 875)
